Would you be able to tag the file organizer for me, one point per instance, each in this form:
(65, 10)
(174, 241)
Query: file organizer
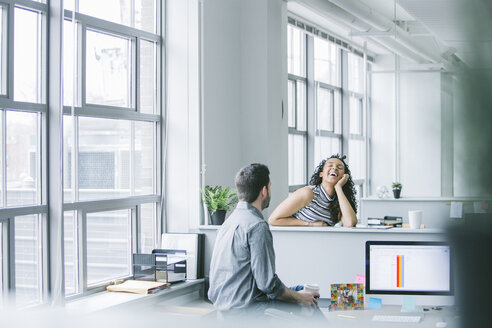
(164, 265)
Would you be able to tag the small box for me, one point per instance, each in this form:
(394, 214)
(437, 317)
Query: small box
(161, 265)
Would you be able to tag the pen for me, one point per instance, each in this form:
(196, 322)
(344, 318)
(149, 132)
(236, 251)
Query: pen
(346, 316)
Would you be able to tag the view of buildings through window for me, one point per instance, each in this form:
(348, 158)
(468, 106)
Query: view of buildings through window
(111, 125)
(327, 114)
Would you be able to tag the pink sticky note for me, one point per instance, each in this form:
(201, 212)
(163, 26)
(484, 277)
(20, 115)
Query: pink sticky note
(360, 279)
(485, 206)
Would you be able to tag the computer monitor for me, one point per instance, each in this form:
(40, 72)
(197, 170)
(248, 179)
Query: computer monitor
(409, 268)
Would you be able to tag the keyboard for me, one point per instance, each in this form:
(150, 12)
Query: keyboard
(397, 318)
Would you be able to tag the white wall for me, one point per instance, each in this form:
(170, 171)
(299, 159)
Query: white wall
(419, 135)
(244, 86)
(182, 160)
(382, 150)
(244, 78)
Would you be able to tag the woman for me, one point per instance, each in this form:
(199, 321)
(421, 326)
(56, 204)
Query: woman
(328, 199)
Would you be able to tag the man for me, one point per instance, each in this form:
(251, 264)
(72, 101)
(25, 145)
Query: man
(242, 270)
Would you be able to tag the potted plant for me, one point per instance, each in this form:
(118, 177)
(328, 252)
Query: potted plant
(396, 189)
(218, 200)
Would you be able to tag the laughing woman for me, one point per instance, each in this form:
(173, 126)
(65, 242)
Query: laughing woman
(328, 199)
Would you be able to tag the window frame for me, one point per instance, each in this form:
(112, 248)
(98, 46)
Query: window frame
(81, 208)
(313, 87)
(50, 110)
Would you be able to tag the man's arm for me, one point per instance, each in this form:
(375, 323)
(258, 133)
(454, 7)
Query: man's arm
(282, 215)
(263, 261)
(301, 297)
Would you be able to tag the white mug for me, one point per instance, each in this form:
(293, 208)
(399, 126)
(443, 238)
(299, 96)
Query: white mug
(310, 287)
(415, 219)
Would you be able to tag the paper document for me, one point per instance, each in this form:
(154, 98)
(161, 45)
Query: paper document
(137, 286)
(456, 210)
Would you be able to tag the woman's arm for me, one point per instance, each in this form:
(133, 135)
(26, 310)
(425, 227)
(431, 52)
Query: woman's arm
(282, 215)
(347, 213)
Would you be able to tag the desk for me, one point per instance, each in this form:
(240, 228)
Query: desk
(326, 255)
(364, 318)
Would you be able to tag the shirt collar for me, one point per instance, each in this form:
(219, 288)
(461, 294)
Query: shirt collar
(320, 186)
(247, 206)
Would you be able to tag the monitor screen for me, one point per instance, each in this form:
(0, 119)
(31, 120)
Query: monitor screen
(417, 268)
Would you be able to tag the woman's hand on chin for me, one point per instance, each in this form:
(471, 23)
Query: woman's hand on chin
(342, 181)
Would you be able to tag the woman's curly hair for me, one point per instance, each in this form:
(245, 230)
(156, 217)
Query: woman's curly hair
(348, 188)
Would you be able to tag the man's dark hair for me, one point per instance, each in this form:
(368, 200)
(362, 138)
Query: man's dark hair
(250, 180)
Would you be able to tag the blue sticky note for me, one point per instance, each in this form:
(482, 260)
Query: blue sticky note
(374, 303)
(408, 303)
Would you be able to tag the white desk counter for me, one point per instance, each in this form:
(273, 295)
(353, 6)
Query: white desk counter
(352, 319)
(325, 255)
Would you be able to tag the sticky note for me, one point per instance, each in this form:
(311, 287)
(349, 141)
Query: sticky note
(408, 303)
(374, 303)
(360, 279)
(477, 207)
(456, 210)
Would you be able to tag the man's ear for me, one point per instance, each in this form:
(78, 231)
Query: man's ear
(264, 191)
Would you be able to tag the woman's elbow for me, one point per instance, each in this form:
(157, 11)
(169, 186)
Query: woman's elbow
(272, 220)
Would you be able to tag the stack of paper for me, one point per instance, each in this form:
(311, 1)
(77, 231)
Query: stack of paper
(137, 286)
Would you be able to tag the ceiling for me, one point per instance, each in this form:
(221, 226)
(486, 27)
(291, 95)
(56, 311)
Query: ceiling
(427, 32)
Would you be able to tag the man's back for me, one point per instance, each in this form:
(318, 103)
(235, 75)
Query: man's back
(242, 269)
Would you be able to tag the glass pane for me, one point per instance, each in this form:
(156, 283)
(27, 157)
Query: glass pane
(23, 161)
(337, 112)
(356, 157)
(141, 16)
(103, 158)
(291, 96)
(296, 51)
(68, 65)
(325, 109)
(3, 52)
(297, 159)
(68, 159)
(147, 228)
(325, 147)
(69, 237)
(355, 73)
(108, 245)
(148, 71)
(355, 106)
(27, 260)
(1, 264)
(301, 106)
(145, 15)
(326, 62)
(144, 157)
(108, 70)
(27, 54)
(2, 145)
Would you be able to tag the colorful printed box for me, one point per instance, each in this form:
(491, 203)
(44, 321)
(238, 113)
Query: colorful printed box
(347, 297)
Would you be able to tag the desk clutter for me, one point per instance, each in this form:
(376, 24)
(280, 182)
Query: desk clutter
(180, 258)
(138, 287)
(387, 221)
(163, 265)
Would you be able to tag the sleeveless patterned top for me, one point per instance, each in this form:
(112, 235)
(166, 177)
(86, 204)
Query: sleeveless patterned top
(317, 210)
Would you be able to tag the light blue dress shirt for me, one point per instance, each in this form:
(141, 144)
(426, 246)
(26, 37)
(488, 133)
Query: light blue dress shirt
(242, 270)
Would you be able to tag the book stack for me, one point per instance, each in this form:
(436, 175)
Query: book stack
(387, 221)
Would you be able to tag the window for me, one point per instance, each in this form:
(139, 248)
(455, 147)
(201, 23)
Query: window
(326, 104)
(23, 127)
(111, 129)
(297, 106)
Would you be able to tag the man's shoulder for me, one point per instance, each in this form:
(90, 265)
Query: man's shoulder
(246, 219)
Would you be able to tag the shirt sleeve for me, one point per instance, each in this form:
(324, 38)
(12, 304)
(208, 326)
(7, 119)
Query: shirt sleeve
(263, 261)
